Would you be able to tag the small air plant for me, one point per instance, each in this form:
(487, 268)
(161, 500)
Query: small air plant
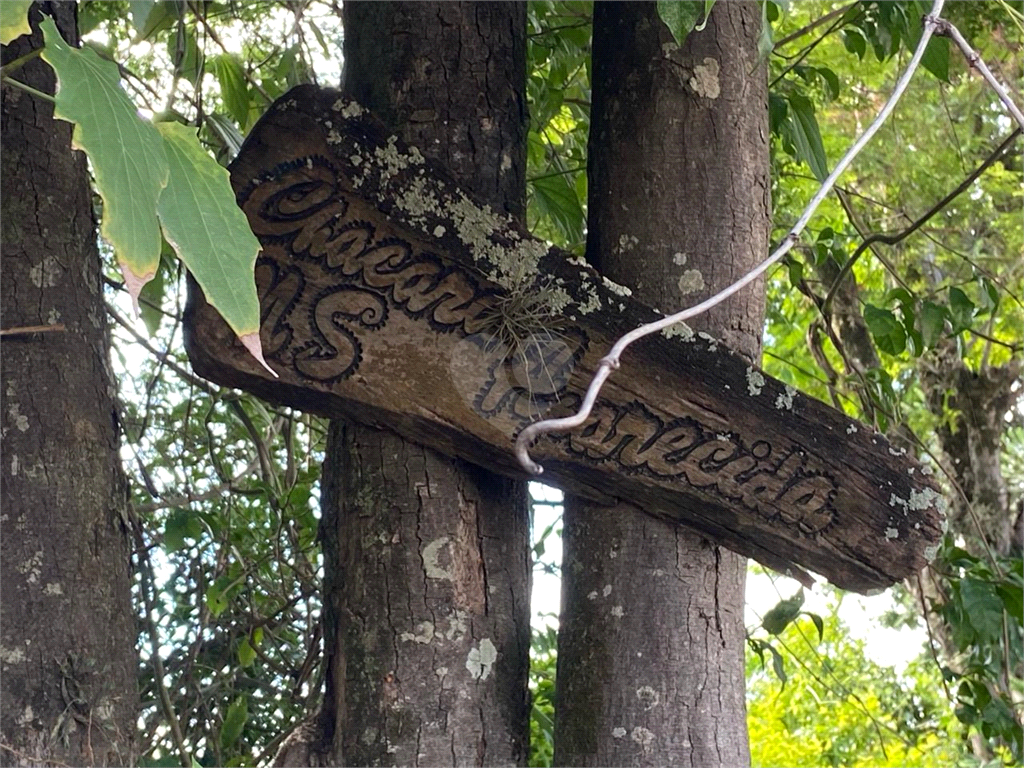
(522, 327)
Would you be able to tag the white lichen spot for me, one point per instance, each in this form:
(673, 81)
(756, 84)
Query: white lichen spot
(26, 716)
(592, 595)
(506, 161)
(441, 671)
(431, 564)
(423, 635)
(392, 161)
(667, 49)
(615, 288)
(14, 465)
(348, 109)
(690, 281)
(678, 330)
(333, 137)
(755, 381)
(20, 420)
(618, 732)
(643, 737)
(705, 79)
(355, 160)
(617, 611)
(480, 660)
(897, 452)
(53, 588)
(607, 590)
(439, 231)
(457, 626)
(12, 655)
(892, 533)
(927, 470)
(592, 303)
(578, 261)
(930, 552)
(679, 259)
(910, 470)
(785, 400)
(658, 572)
(103, 710)
(711, 340)
(418, 201)
(612, 554)
(32, 567)
(648, 697)
(626, 243)
(851, 429)
(52, 317)
(920, 500)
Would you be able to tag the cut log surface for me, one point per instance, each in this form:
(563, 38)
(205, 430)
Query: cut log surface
(390, 296)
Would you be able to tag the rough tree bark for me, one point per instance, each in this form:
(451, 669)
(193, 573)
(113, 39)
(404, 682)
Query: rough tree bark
(426, 559)
(67, 648)
(650, 658)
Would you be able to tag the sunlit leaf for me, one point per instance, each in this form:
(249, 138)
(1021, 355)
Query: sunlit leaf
(149, 17)
(210, 233)
(127, 155)
(14, 20)
(233, 89)
(246, 653)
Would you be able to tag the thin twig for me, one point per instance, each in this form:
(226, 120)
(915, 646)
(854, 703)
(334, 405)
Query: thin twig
(28, 89)
(27, 329)
(165, 355)
(19, 62)
(812, 26)
(947, 29)
(610, 362)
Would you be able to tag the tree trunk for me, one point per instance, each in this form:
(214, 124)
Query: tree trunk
(650, 657)
(426, 559)
(67, 649)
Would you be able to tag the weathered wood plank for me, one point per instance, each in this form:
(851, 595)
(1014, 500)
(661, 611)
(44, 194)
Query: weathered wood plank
(389, 296)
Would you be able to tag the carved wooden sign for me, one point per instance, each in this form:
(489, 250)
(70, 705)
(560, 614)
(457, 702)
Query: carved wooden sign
(389, 296)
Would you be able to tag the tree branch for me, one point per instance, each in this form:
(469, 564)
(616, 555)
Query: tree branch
(919, 222)
(947, 29)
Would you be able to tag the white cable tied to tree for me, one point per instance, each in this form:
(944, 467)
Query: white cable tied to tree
(611, 361)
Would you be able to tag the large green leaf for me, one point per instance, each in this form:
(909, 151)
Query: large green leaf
(233, 90)
(556, 199)
(126, 152)
(14, 20)
(680, 16)
(888, 332)
(805, 135)
(210, 233)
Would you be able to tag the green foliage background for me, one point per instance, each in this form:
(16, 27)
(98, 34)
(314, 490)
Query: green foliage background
(225, 487)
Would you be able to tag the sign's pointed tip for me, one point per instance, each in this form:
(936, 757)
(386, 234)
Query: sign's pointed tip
(251, 341)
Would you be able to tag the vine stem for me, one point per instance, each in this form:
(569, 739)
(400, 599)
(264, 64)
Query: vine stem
(29, 89)
(946, 28)
(611, 361)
